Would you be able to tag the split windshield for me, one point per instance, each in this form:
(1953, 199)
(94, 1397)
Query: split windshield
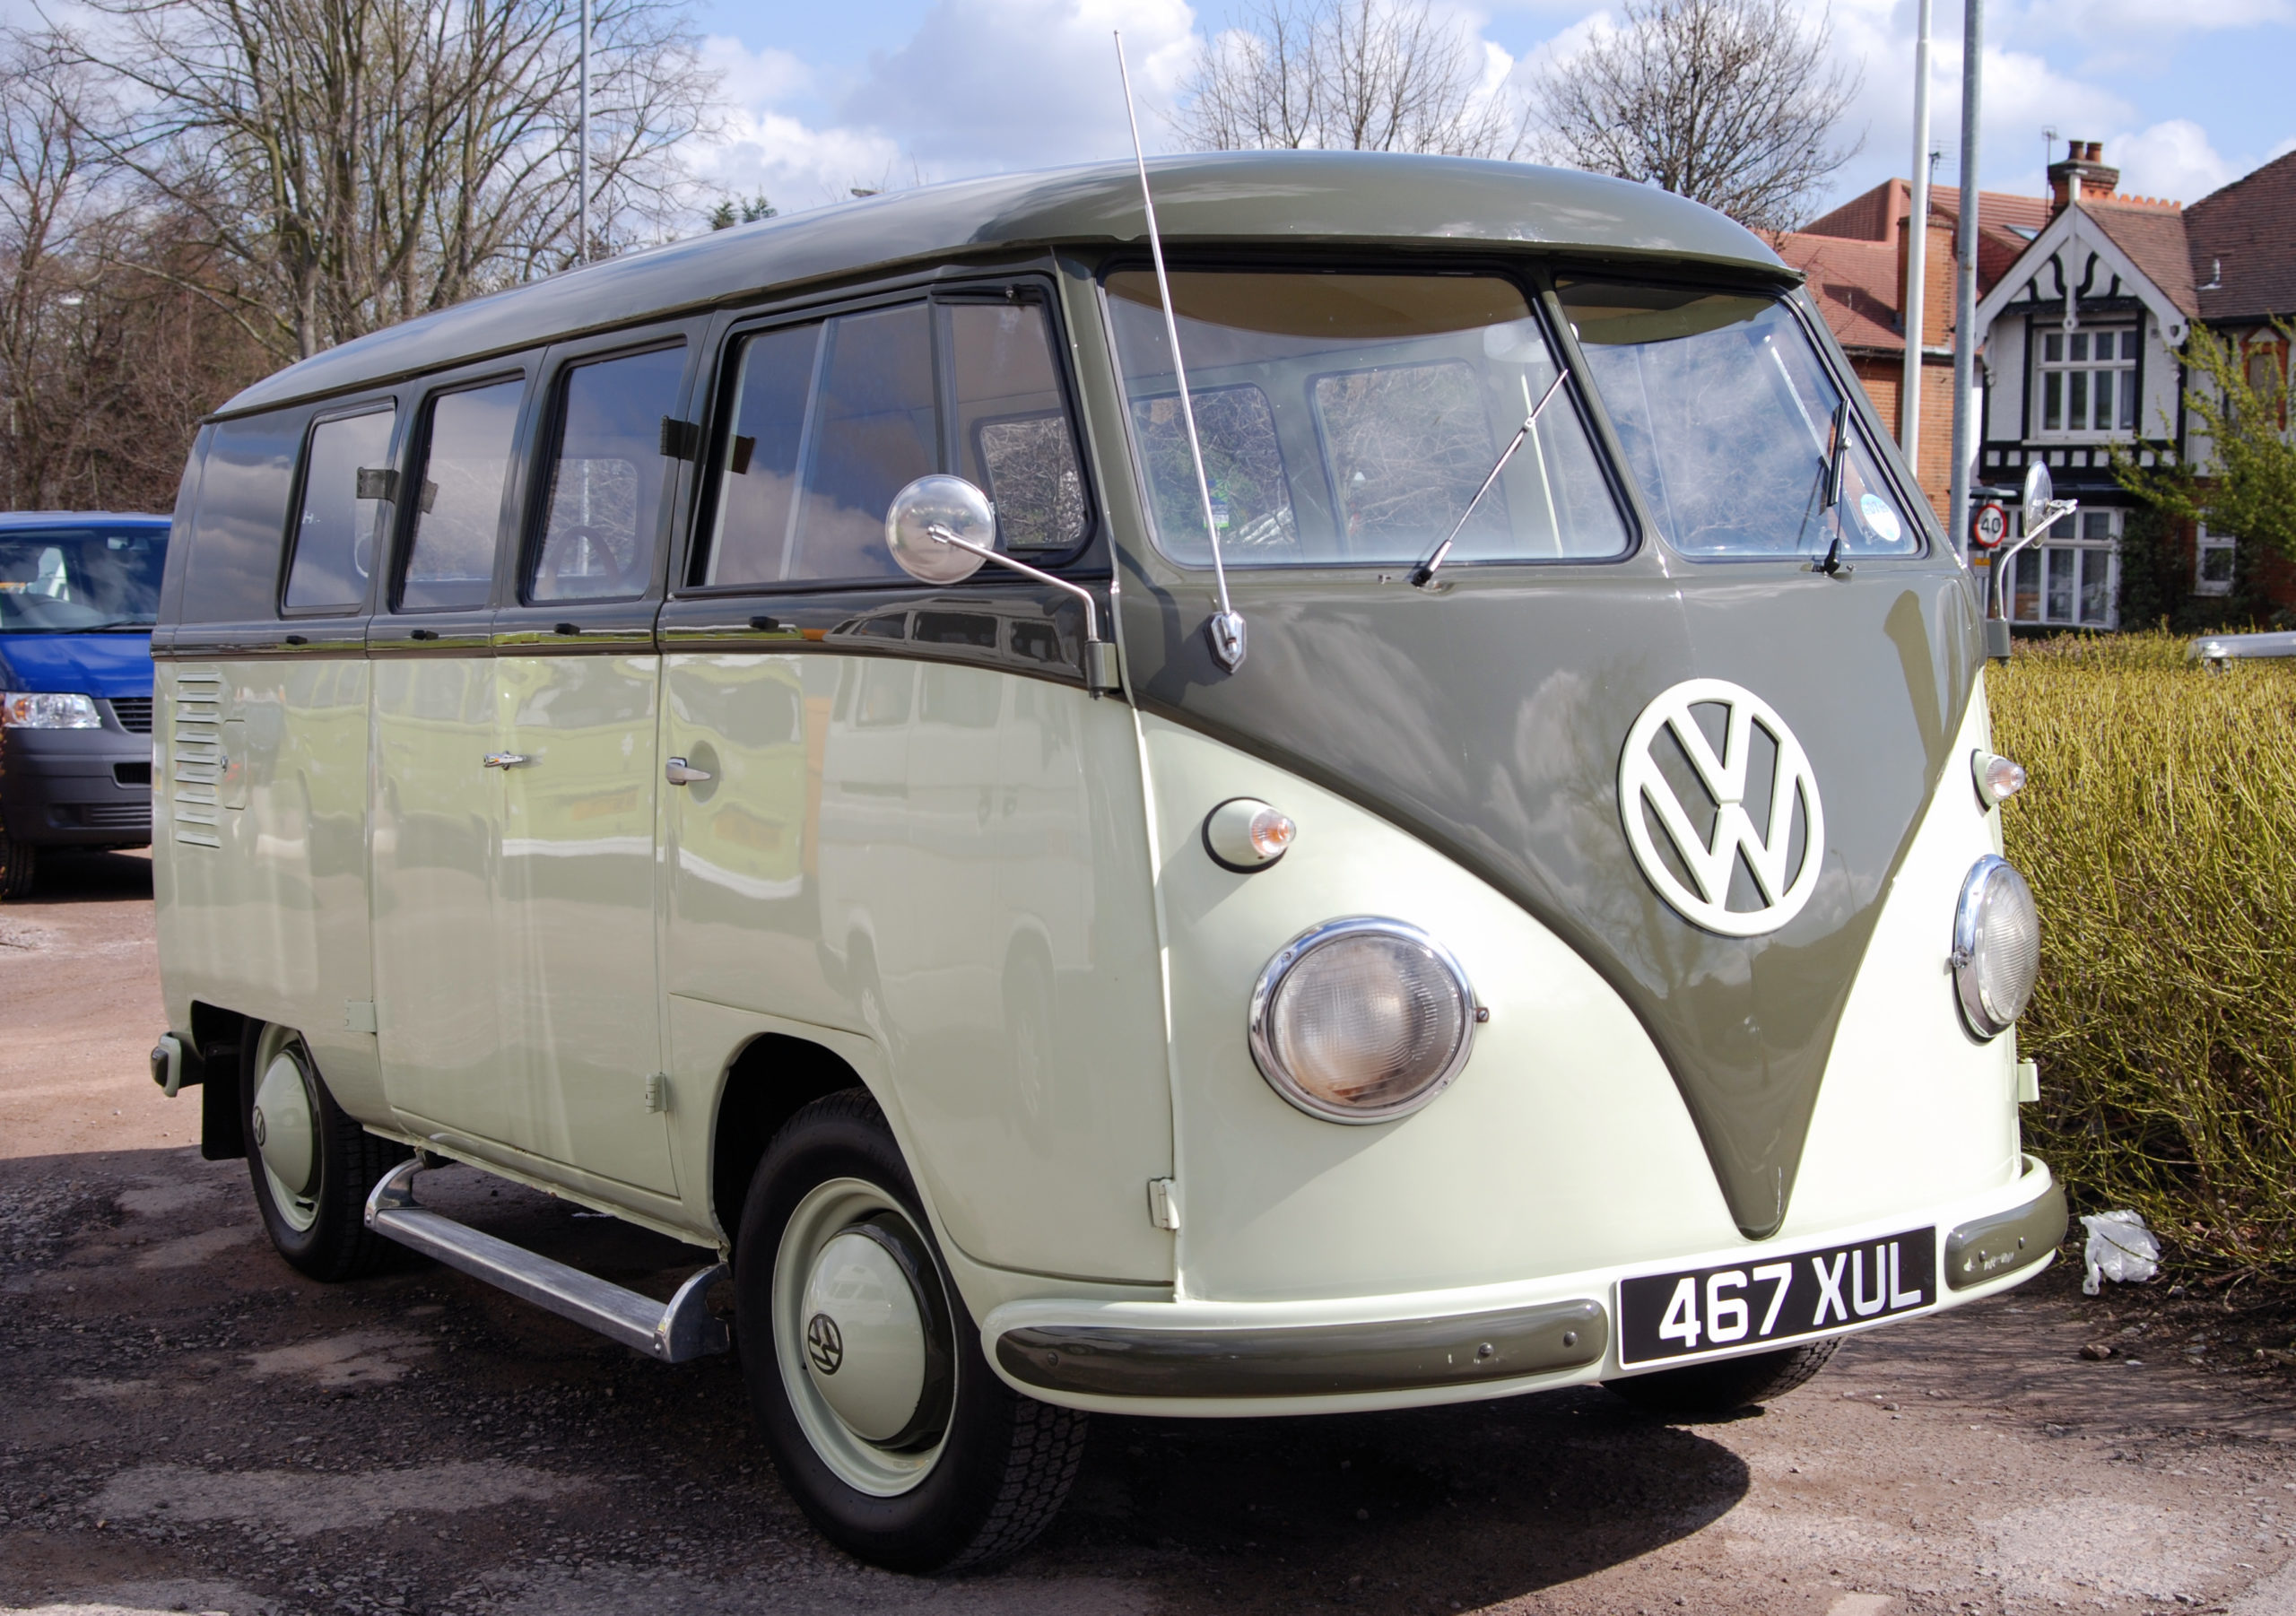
(79, 580)
(1349, 419)
(1726, 416)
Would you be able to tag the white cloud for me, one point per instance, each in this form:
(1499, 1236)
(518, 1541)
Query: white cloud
(2172, 159)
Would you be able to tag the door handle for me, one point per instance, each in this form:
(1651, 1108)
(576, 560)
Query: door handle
(506, 760)
(677, 771)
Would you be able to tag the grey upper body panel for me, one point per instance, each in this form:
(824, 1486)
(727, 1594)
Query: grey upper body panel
(1300, 198)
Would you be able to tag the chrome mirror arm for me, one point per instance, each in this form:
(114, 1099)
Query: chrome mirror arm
(1100, 655)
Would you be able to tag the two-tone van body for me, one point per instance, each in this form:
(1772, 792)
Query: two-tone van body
(1578, 954)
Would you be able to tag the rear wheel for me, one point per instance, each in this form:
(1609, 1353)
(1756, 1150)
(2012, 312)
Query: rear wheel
(312, 1166)
(19, 866)
(1713, 1390)
(864, 1369)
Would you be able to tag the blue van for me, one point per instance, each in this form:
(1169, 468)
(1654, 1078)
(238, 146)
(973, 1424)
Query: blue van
(78, 593)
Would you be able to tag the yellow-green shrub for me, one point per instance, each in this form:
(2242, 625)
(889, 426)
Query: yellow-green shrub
(2159, 832)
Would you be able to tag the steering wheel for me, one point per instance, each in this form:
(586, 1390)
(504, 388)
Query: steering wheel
(562, 548)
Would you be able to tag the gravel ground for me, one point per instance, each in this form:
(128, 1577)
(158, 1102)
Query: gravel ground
(185, 1424)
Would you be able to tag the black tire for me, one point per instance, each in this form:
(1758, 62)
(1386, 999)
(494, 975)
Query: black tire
(1713, 1391)
(1005, 1461)
(336, 1244)
(19, 867)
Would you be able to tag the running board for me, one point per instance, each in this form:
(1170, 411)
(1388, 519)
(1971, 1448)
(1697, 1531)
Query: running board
(676, 1332)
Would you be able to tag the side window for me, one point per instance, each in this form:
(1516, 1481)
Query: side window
(233, 572)
(458, 497)
(334, 529)
(1013, 422)
(826, 422)
(608, 475)
(757, 470)
(873, 434)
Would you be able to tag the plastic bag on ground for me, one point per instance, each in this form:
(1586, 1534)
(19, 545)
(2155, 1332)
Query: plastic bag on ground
(2121, 1249)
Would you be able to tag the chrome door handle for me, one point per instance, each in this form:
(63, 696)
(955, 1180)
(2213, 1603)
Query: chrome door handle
(506, 760)
(677, 771)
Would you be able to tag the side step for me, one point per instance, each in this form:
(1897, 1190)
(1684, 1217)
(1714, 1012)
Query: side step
(674, 1333)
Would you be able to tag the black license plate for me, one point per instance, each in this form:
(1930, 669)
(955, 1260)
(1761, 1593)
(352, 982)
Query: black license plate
(1775, 1299)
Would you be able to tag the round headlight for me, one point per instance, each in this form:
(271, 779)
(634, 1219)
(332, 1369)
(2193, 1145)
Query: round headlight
(1996, 946)
(1361, 1020)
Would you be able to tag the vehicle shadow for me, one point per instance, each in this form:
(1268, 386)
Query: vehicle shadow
(89, 875)
(1475, 1503)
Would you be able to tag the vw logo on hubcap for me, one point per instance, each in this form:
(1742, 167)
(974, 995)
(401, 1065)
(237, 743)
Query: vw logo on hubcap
(1645, 793)
(824, 1344)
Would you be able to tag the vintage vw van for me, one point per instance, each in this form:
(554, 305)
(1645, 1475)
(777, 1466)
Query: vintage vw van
(730, 736)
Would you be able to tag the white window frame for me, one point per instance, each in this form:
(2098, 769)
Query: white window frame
(2093, 543)
(2205, 545)
(2064, 369)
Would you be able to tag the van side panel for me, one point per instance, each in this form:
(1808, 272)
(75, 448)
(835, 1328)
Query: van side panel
(952, 861)
(260, 801)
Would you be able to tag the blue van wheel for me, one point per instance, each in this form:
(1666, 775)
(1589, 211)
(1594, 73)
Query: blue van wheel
(19, 866)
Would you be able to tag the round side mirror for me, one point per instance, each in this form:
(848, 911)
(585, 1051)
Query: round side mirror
(955, 506)
(2040, 489)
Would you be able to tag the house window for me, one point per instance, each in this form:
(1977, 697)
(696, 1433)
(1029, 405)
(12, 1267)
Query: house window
(2089, 381)
(2213, 573)
(2069, 580)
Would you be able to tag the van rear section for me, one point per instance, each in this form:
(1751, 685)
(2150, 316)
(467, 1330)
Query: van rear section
(1388, 805)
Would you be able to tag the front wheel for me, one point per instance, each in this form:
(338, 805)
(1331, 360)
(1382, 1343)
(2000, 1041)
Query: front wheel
(864, 1369)
(1712, 1391)
(312, 1166)
(19, 866)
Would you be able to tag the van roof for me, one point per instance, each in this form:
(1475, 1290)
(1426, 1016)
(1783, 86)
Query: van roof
(14, 520)
(1374, 198)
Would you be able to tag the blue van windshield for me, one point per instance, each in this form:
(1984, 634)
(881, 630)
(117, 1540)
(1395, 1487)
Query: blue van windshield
(80, 580)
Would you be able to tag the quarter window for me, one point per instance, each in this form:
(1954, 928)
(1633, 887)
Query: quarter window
(459, 498)
(607, 476)
(334, 528)
(2089, 381)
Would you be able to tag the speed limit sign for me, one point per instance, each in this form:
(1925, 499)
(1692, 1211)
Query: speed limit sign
(1990, 527)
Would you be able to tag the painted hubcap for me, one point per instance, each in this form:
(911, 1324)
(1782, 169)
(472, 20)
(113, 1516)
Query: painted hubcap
(284, 1122)
(863, 1334)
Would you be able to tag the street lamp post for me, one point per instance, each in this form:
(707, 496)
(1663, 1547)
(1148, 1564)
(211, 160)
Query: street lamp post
(582, 150)
(1965, 424)
(1917, 251)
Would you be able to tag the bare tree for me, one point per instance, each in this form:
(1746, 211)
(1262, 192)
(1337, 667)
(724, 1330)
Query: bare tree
(1726, 102)
(362, 161)
(114, 340)
(1369, 75)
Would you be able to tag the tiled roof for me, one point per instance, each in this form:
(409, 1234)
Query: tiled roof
(1873, 216)
(2249, 228)
(1856, 286)
(2155, 239)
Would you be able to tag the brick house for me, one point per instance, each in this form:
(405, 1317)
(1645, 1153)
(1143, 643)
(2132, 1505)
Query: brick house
(1854, 261)
(2081, 336)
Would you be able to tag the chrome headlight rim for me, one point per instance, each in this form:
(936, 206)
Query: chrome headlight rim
(1968, 987)
(1288, 958)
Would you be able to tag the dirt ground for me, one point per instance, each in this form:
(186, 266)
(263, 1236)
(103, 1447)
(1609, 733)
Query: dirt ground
(185, 1424)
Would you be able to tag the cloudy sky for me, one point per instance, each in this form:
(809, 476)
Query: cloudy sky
(833, 94)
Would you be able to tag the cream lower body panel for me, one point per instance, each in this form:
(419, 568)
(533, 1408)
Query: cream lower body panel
(1196, 1319)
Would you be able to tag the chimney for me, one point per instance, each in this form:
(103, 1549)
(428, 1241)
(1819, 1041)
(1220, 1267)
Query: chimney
(1937, 278)
(2082, 175)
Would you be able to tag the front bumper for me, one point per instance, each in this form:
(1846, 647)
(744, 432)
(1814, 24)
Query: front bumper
(76, 787)
(1230, 1359)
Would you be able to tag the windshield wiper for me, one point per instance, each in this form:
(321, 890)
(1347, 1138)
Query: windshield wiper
(1830, 491)
(1425, 575)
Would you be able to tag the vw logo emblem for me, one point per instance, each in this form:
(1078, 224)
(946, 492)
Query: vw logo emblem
(1645, 793)
(824, 1344)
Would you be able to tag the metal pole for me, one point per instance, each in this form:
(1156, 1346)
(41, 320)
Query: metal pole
(1965, 425)
(582, 150)
(1917, 252)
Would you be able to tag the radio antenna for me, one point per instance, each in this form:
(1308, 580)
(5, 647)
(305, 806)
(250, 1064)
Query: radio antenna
(1226, 629)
